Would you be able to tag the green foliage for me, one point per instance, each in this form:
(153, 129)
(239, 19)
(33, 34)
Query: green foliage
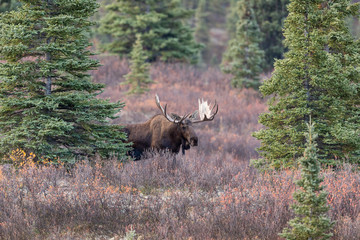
(232, 18)
(130, 235)
(139, 76)
(270, 16)
(160, 23)
(202, 30)
(48, 104)
(211, 24)
(319, 77)
(311, 221)
(189, 4)
(7, 5)
(243, 58)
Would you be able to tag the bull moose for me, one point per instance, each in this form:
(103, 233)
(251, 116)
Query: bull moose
(168, 132)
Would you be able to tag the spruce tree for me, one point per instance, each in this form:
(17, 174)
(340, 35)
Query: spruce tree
(202, 30)
(232, 18)
(139, 76)
(48, 104)
(311, 207)
(243, 58)
(270, 15)
(319, 76)
(160, 23)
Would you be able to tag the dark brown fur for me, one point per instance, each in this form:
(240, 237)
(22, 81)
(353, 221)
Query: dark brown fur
(160, 134)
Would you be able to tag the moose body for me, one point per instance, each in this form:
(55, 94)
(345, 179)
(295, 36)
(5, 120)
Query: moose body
(159, 134)
(164, 132)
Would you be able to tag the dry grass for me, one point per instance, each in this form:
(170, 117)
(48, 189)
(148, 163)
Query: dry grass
(210, 193)
(201, 197)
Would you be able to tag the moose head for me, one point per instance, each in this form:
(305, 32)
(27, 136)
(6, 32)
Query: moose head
(185, 123)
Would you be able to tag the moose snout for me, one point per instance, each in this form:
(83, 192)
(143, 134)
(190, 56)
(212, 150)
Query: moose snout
(194, 141)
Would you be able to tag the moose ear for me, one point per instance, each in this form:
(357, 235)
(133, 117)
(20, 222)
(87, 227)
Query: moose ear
(175, 116)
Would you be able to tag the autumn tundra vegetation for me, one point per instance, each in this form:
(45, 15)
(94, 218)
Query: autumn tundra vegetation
(276, 157)
(211, 193)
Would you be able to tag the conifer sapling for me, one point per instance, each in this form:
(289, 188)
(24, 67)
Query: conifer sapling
(311, 221)
(139, 77)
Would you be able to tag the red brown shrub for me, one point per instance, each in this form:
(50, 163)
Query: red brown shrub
(201, 197)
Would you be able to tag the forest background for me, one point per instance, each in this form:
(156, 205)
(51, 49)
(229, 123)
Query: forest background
(213, 193)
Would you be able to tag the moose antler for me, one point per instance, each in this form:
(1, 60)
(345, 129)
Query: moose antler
(205, 111)
(177, 118)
